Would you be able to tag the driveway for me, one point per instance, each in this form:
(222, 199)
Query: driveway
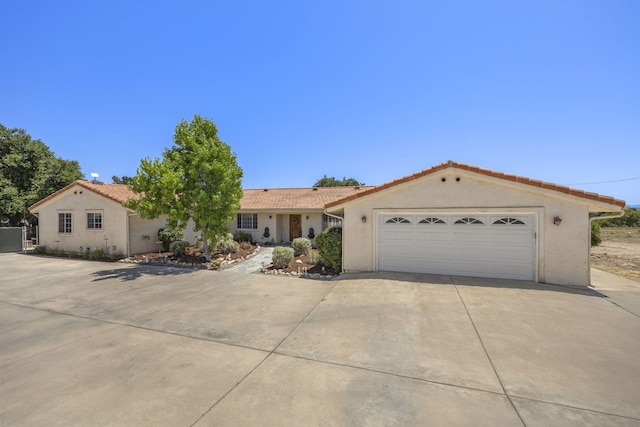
(86, 343)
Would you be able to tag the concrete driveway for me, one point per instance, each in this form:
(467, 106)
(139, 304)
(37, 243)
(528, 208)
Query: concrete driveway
(85, 343)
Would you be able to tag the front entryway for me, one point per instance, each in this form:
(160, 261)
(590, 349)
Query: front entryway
(466, 244)
(295, 226)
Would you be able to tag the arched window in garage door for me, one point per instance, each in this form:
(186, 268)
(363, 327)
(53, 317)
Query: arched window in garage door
(508, 221)
(397, 220)
(468, 220)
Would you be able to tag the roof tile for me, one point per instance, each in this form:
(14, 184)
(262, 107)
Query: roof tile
(486, 172)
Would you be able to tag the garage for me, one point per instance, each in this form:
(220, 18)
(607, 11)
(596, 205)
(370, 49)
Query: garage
(462, 220)
(501, 245)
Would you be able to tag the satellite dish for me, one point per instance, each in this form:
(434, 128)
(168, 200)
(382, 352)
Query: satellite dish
(94, 175)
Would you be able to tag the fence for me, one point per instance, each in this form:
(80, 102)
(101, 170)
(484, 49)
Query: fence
(16, 239)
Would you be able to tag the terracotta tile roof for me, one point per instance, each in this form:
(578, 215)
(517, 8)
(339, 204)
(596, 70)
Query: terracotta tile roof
(295, 198)
(488, 172)
(253, 199)
(116, 192)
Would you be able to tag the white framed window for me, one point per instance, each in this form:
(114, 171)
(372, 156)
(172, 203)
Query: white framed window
(330, 221)
(94, 220)
(64, 222)
(247, 221)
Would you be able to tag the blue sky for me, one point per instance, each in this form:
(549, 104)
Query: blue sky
(366, 89)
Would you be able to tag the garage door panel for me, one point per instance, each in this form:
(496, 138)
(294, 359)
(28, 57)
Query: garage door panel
(479, 245)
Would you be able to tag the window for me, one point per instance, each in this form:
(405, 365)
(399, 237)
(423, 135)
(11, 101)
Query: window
(94, 221)
(468, 221)
(64, 223)
(508, 221)
(398, 220)
(330, 221)
(431, 220)
(247, 221)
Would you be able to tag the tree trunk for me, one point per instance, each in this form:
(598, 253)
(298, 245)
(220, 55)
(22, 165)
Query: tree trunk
(207, 253)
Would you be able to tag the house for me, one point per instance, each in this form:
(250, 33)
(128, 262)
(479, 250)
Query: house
(274, 215)
(450, 219)
(457, 219)
(85, 216)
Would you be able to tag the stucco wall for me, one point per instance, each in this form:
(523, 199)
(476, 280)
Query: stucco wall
(563, 251)
(79, 201)
(116, 223)
(144, 233)
(279, 226)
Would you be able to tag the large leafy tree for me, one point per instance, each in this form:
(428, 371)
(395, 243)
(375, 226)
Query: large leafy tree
(121, 180)
(198, 178)
(29, 171)
(331, 181)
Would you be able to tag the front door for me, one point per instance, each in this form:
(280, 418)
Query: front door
(295, 226)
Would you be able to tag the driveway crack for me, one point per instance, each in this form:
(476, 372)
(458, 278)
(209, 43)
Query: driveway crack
(484, 348)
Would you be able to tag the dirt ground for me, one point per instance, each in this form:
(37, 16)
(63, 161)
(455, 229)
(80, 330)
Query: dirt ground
(619, 252)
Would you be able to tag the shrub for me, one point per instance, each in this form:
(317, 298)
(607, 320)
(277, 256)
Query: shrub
(329, 244)
(301, 246)
(228, 246)
(631, 218)
(245, 246)
(282, 257)
(596, 236)
(179, 248)
(96, 254)
(242, 236)
(313, 257)
(168, 235)
(40, 250)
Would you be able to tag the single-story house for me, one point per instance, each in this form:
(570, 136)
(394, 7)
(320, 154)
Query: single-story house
(89, 215)
(457, 219)
(451, 219)
(274, 215)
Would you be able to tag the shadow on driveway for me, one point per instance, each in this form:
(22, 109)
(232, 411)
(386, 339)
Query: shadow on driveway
(468, 281)
(133, 273)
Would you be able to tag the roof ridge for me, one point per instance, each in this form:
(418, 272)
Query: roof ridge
(487, 172)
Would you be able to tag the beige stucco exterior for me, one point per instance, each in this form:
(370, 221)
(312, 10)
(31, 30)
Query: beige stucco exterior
(123, 231)
(278, 223)
(562, 251)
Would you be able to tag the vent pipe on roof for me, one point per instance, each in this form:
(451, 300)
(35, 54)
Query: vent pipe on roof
(314, 189)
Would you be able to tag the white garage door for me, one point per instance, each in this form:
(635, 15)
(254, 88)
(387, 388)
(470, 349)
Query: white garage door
(479, 245)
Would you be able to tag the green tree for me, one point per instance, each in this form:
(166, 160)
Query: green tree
(29, 171)
(198, 178)
(121, 180)
(326, 181)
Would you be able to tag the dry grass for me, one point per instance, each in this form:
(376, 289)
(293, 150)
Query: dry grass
(619, 252)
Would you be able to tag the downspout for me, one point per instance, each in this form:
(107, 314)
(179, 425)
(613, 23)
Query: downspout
(620, 215)
(341, 222)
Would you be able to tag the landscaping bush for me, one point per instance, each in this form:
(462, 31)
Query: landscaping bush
(40, 250)
(96, 254)
(301, 246)
(168, 235)
(596, 235)
(245, 246)
(329, 244)
(179, 248)
(242, 236)
(282, 257)
(228, 246)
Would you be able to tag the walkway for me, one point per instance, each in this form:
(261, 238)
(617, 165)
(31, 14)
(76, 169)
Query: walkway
(253, 264)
